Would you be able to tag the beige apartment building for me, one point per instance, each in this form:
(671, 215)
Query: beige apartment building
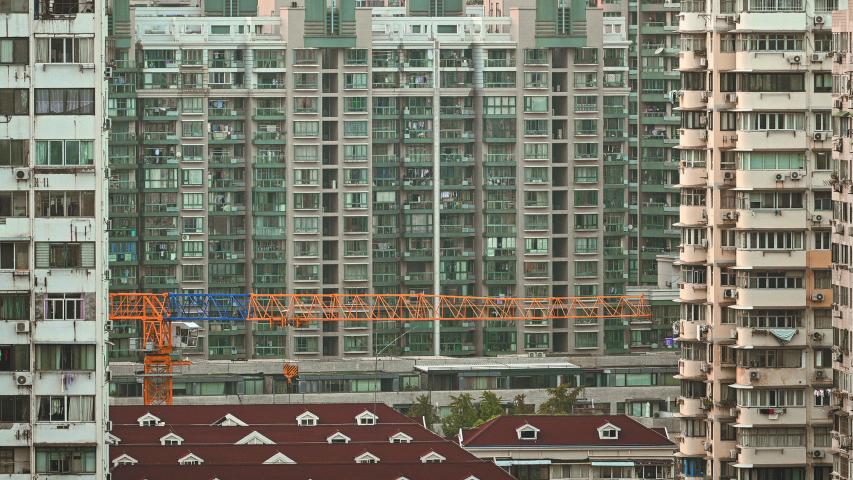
(755, 294)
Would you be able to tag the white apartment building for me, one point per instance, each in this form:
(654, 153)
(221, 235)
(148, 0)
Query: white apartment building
(755, 295)
(53, 284)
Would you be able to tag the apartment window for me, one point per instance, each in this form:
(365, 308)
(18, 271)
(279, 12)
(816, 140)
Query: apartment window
(586, 198)
(63, 153)
(770, 358)
(770, 240)
(13, 204)
(537, 104)
(306, 129)
(13, 307)
(499, 106)
(14, 408)
(306, 344)
(763, 318)
(14, 51)
(772, 82)
(305, 153)
(355, 129)
(65, 460)
(586, 339)
(823, 82)
(770, 279)
(355, 104)
(66, 408)
(771, 42)
(585, 80)
(822, 358)
(65, 101)
(769, 200)
(14, 6)
(65, 204)
(355, 56)
(192, 177)
(65, 50)
(306, 201)
(822, 240)
(14, 256)
(192, 201)
(771, 437)
(65, 255)
(63, 306)
(822, 200)
(192, 273)
(192, 249)
(65, 357)
(783, 160)
(764, 121)
(356, 200)
(306, 225)
(14, 101)
(14, 153)
(355, 80)
(355, 153)
(587, 221)
(822, 159)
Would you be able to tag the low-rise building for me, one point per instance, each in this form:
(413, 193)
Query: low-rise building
(543, 447)
(355, 441)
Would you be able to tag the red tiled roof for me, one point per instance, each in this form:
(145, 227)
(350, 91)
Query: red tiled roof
(564, 430)
(314, 457)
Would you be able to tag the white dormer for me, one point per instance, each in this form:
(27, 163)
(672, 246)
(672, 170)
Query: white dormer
(307, 419)
(472, 477)
(337, 437)
(527, 432)
(608, 431)
(111, 439)
(400, 437)
(124, 459)
(433, 457)
(171, 439)
(230, 421)
(367, 418)
(190, 459)
(149, 420)
(367, 457)
(254, 438)
(279, 459)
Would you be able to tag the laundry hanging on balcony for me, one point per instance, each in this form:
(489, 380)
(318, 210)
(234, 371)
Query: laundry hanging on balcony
(783, 334)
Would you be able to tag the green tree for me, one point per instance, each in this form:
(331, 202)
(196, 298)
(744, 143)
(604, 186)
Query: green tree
(463, 414)
(424, 409)
(489, 407)
(561, 400)
(520, 405)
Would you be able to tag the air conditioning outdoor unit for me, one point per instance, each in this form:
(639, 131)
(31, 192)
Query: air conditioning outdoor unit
(22, 327)
(22, 379)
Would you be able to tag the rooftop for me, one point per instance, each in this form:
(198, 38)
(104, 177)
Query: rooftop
(565, 431)
(293, 441)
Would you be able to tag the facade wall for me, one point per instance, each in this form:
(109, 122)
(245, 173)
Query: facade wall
(755, 294)
(53, 264)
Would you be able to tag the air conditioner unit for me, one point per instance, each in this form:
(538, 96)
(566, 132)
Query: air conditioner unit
(22, 379)
(22, 327)
(819, 375)
(185, 237)
(22, 173)
(817, 297)
(817, 218)
(817, 336)
(818, 136)
(728, 175)
(817, 453)
(796, 175)
(730, 293)
(818, 57)
(794, 59)
(819, 20)
(780, 177)
(731, 97)
(754, 376)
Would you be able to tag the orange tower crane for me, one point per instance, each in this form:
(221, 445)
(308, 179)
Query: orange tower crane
(157, 311)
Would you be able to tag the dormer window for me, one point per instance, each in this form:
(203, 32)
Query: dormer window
(433, 457)
(190, 459)
(254, 438)
(171, 439)
(307, 419)
(527, 432)
(111, 439)
(149, 420)
(337, 437)
(230, 421)
(279, 459)
(400, 437)
(124, 459)
(608, 431)
(367, 418)
(367, 457)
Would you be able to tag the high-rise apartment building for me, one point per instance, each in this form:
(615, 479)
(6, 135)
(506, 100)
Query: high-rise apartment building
(320, 148)
(53, 262)
(842, 74)
(756, 318)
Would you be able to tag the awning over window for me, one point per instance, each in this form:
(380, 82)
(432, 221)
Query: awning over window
(507, 463)
(612, 463)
